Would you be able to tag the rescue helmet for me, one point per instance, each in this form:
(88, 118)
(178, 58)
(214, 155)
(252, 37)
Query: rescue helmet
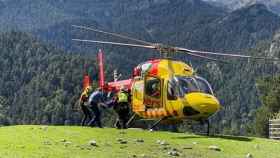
(87, 91)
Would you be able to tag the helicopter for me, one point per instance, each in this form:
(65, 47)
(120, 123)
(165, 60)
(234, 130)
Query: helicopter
(164, 89)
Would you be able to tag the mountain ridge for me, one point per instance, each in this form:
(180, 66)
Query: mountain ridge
(273, 5)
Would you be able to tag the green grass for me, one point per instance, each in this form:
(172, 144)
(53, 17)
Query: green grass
(67, 141)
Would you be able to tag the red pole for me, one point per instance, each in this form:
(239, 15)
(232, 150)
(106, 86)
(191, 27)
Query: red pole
(101, 69)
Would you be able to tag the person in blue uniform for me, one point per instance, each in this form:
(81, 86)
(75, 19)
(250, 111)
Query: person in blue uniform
(96, 98)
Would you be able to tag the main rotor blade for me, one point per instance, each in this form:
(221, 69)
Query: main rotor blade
(116, 43)
(112, 34)
(223, 54)
(208, 58)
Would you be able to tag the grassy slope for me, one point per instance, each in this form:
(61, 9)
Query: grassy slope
(43, 141)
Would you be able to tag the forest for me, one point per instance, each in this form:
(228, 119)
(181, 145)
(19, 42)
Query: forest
(42, 69)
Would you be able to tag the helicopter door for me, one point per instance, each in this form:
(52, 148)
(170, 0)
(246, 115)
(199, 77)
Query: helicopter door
(138, 96)
(153, 92)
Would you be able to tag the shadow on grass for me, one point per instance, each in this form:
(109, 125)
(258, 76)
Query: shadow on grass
(235, 138)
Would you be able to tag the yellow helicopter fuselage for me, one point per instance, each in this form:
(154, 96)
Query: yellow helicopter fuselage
(179, 93)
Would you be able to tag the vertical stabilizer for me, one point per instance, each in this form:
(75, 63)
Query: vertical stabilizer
(101, 68)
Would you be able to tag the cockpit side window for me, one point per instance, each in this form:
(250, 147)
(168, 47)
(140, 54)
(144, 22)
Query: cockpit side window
(152, 87)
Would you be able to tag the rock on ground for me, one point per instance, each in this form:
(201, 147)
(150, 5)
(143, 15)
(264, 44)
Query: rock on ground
(162, 142)
(47, 142)
(173, 153)
(188, 147)
(121, 141)
(63, 140)
(92, 143)
(249, 155)
(140, 140)
(214, 147)
(67, 143)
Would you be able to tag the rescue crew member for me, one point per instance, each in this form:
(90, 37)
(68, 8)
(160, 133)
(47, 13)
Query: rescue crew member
(155, 90)
(96, 98)
(122, 108)
(83, 104)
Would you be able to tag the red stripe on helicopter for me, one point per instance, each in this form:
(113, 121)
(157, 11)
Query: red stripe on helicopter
(154, 68)
(119, 84)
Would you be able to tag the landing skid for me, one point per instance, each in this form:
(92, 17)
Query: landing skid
(135, 117)
(131, 122)
(132, 118)
(208, 127)
(207, 122)
(157, 122)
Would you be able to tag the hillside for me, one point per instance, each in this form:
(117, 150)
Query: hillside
(201, 26)
(39, 83)
(28, 15)
(25, 15)
(273, 5)
(150, 20)
(65, 141)
(242, 28)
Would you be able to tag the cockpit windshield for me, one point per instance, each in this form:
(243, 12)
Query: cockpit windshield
(187, 85)
(180, 85)
(204, 86)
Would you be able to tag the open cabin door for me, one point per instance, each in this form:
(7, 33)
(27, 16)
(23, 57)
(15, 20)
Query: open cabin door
(138, 96)
(153, 92)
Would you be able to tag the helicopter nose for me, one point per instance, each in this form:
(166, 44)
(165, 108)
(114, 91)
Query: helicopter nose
(203, 103)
